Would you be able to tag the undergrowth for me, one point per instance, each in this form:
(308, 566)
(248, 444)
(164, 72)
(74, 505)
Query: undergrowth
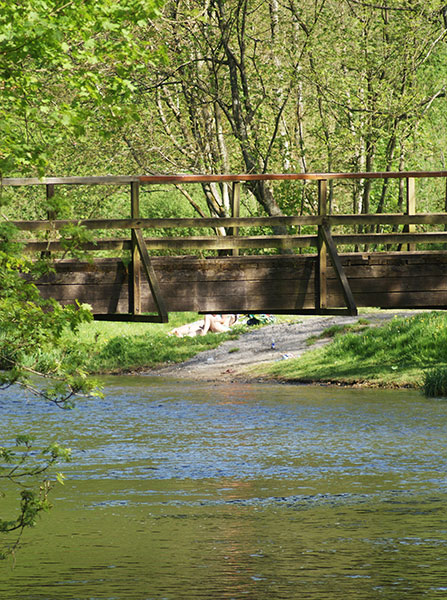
(435, 382)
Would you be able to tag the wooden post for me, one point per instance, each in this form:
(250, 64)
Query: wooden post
(321, 267)
(235, 210)
(411, 208)
(135, 275)
(51, 215)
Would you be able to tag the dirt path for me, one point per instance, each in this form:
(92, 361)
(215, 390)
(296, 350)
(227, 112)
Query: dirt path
(229, 361)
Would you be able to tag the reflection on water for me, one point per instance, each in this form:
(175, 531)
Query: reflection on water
(185, 491)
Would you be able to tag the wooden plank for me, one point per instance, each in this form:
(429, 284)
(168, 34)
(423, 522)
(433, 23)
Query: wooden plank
(391, 238)
(321, 277)
(281, 242)
(259, 283)
(210, 223)
(333, 220)
(95, 180)
(289, 261)
(406, 283)
(271, 302)
(51, 214)
(126, 317)
(377, 272)
(381, 278)
(388, 219)
(332, 250)
(114, 245)
(411, 208)
(235, 210)
(217, 178)
(287, 177)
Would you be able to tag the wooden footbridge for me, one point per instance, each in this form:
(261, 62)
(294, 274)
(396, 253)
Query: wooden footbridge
(394, 260)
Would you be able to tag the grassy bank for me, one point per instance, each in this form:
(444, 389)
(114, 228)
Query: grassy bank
(403, 352)
(110, 347)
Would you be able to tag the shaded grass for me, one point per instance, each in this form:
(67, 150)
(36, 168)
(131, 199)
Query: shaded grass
(395, 354)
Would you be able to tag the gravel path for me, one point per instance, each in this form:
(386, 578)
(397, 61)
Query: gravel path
(229, 361)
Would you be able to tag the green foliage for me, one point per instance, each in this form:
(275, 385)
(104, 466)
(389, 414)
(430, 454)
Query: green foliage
(57, 62)
(335, 330)
(24, 462)
(60, 62)
(72, 239)
(29, 326)
(106, 347)
(435, 382)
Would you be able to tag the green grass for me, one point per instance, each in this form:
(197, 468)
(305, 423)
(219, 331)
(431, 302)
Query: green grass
(334, 330)
(113, 347)
(435, 382)
(110, 347)
(398, 353)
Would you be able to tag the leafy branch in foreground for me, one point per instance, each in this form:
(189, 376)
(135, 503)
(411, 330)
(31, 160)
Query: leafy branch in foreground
(29, 325)
(25, 462)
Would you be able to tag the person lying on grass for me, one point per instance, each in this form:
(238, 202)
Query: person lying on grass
(214, 323)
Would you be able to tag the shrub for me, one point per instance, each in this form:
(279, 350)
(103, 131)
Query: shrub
(435, 382)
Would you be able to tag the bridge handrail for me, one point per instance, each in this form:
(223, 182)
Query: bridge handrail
(325, 240)
(234, 240)
(214, 178)
(286, 242)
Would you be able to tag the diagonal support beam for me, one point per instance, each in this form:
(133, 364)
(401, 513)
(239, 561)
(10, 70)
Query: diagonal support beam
(341, 276)
(151, 276)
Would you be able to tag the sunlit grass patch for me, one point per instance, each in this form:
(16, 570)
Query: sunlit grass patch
(397, 353)
(334, 330)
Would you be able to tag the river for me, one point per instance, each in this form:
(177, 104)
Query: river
(183, 490)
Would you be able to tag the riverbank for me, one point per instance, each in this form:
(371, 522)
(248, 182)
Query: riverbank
(301, 351)
(377, 348)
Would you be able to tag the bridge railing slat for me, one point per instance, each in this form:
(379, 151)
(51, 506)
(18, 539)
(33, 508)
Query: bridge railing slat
(332, 220)
(248, 242)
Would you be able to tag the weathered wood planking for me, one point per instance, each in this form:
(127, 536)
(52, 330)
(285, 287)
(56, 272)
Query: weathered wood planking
(255, 283)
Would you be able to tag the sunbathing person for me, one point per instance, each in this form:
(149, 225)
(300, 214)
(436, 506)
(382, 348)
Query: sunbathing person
(188, 330)
(214, 323)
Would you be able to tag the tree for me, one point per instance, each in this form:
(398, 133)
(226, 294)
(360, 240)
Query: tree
(219, 100)
(373, 72)
(293, 86)
(59, 61)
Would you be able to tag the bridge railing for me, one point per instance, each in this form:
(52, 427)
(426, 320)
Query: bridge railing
(326, 239)
(234, 241)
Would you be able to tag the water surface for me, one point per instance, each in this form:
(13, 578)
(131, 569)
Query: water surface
(196, 490)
